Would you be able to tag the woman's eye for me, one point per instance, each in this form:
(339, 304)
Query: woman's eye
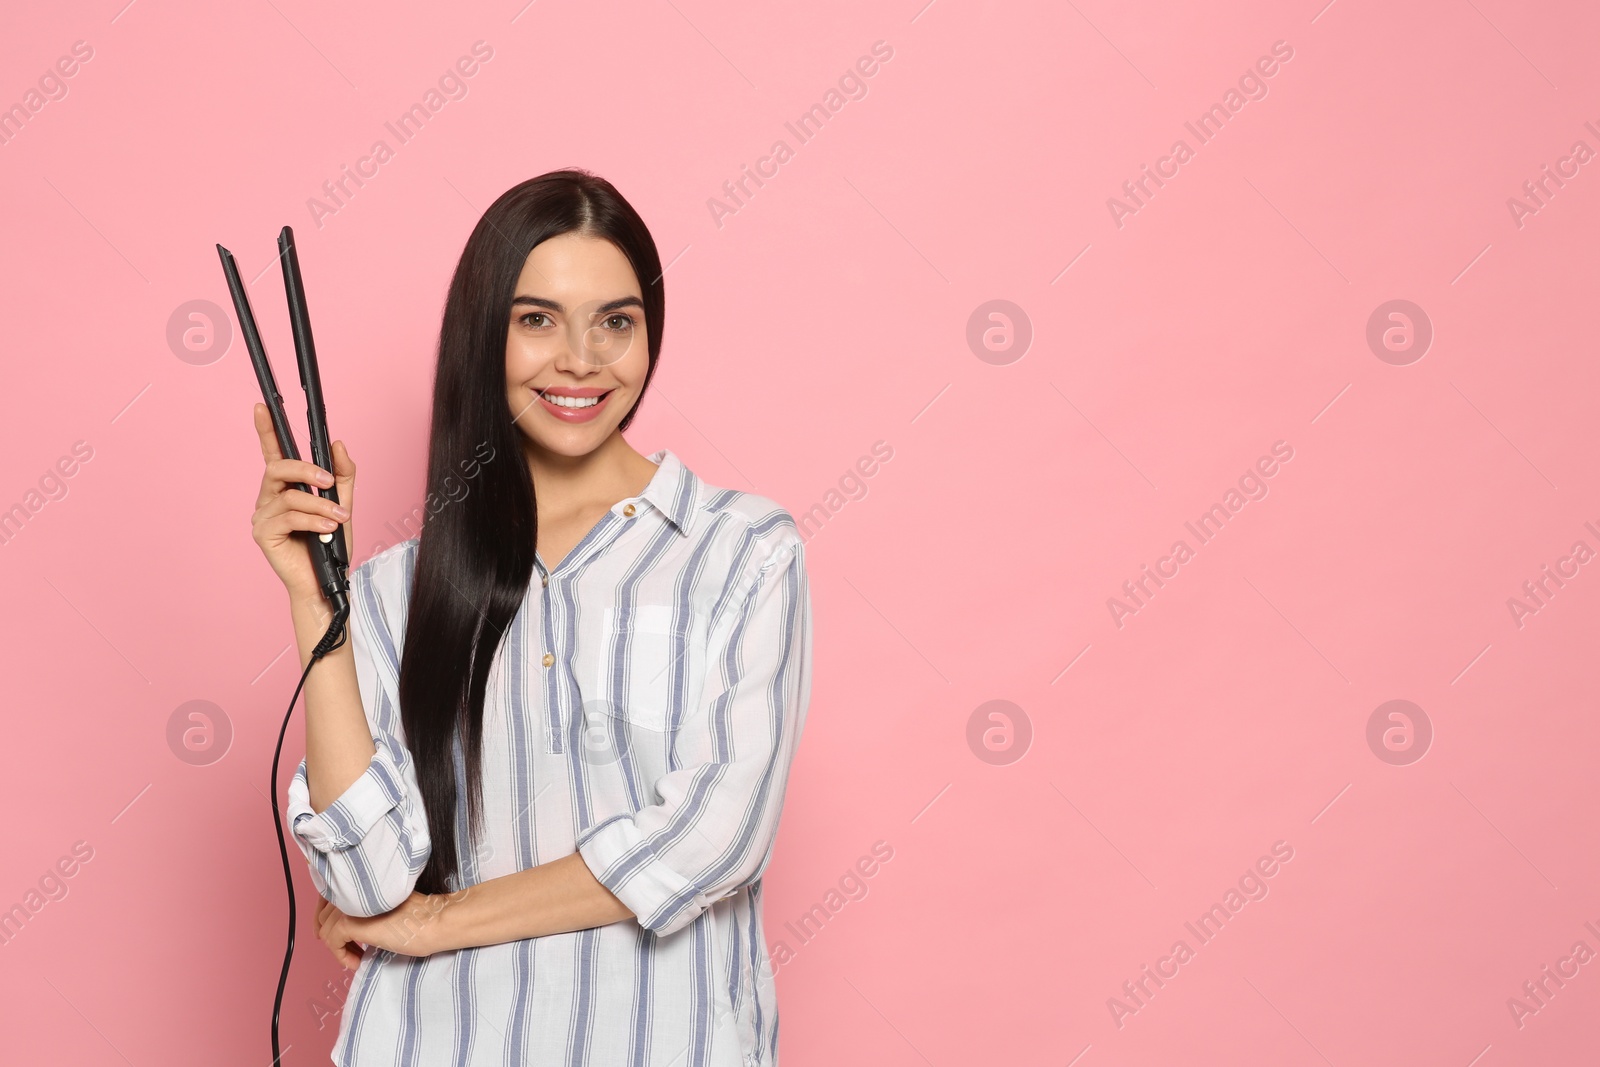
(532, 315)
(619, 322)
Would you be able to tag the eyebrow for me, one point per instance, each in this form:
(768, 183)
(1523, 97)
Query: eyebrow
(526, 300)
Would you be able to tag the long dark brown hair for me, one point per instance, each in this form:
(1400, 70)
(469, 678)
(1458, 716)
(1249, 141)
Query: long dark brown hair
(476, 557)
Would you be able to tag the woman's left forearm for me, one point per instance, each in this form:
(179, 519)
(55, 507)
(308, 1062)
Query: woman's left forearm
(552, 898)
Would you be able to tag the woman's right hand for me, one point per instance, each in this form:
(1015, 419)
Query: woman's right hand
(281, 510)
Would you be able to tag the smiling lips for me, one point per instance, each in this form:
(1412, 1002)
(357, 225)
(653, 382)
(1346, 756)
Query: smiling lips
(573, 405)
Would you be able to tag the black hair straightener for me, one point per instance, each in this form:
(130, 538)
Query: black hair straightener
(329, 556)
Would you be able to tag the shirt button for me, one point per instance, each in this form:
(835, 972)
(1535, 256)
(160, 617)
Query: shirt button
(548, 659)
(544, 579)
(627, 510)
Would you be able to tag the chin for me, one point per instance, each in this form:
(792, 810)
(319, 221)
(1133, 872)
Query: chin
(574, 443)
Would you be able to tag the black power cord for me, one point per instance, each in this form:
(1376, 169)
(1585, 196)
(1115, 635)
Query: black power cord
(329, 552)
(336, 630)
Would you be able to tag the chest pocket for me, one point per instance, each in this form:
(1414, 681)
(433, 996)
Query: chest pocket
(642, 664)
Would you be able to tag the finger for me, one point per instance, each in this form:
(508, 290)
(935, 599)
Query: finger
(283, 523)
(300, 500)
(331, 945)
(323, 911)
(326, 925)
(343, 466)
(280, 474)
(344, 470)
(341, 952)
(269, 438)
(284, 471)
(274, 531)
(335, 934)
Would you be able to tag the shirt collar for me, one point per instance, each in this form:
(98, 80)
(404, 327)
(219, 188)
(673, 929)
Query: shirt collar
(673, 489)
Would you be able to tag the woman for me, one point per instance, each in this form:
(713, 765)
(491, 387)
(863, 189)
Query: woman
(543, 777)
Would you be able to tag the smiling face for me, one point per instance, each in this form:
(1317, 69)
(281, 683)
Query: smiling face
(576, 347)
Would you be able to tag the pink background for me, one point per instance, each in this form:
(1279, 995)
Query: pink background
(831, 312)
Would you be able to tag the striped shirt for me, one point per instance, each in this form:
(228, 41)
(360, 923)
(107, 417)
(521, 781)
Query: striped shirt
(643, 710)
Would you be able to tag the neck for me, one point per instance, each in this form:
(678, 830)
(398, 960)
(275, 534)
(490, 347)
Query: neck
(564, 484)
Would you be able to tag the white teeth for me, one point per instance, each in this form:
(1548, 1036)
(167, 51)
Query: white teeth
(573, 401)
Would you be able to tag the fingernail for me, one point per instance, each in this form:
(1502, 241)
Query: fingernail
(341, 513)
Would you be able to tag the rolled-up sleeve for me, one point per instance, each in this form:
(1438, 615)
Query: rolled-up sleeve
(713, 827)
(367, 849)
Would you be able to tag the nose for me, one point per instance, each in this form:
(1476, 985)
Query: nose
(575, 354)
